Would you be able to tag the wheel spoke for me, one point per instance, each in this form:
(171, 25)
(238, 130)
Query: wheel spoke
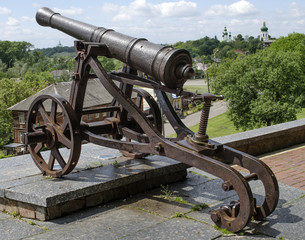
(51, 162)
(38, 148)
(58, 157)
(139, 100)
(64, 125)
(53, 111)
(44, 114)
(62, 138)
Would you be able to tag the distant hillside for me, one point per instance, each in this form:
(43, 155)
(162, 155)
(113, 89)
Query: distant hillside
(58, 51)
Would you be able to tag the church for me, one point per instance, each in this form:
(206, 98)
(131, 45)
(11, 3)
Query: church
(264, 35)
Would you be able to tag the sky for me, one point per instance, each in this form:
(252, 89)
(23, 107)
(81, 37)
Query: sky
(159, 21)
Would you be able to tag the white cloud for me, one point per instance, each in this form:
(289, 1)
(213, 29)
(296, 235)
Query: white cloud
(236, 9)
(245, 22)
(5, 11)
(296, 11)
(71, 11)
(36, 5)
(142, 8)
(12, 21)
(27, 19)
(177, 9)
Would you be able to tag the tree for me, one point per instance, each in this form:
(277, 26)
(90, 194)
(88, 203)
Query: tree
(11, 92)
(262, 89)
(12, 51)
(294, 42)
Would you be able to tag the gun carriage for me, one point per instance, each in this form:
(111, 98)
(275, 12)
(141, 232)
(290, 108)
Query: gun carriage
(133, 131)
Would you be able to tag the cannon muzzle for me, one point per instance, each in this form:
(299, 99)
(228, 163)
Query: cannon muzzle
(166, 64)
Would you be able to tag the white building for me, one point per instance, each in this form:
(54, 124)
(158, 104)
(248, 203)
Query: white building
(264, 36)
(226, 36)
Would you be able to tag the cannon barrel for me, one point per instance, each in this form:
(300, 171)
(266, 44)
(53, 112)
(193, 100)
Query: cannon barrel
(166, 64)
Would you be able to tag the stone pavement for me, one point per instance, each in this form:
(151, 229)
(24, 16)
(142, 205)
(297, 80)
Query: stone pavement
(179, 211)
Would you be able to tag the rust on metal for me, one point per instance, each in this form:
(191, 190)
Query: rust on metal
(134, 130)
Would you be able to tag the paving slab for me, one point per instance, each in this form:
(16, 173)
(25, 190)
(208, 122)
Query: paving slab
(4, 216)
(287, 221)
(176, 228)
(255, 237)
(161, 207)
(110, 225)
(95, 180)
(17, 229)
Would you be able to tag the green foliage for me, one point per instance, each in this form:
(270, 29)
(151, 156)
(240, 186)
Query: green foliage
(13, 51)
(107, 63)
(58, 51)
(262, 89)
(203, 46)
(13, 91)
(294, 42)
(2, 155)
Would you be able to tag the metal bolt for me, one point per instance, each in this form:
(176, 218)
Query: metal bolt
(159, 147)
(227, 186)
(76, 76)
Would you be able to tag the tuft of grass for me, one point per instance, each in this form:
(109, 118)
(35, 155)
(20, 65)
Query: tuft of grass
(180, 200)
(46, 229)
(199, 207)
(223, 230)
(48, 177)
(178, 215)
(115, 164)
(167, 193)
(31, 222)
(99, 164)
(15, 214)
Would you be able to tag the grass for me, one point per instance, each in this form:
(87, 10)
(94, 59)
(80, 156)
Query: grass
(219, 126)
(199, 89)
(301, 114)
(2, 155)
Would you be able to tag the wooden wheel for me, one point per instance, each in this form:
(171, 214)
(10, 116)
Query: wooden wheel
(52, 125)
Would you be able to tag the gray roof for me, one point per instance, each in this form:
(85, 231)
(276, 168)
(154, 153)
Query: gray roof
(95, 95)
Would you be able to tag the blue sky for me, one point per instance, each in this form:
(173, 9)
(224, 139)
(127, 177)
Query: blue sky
(160, 21)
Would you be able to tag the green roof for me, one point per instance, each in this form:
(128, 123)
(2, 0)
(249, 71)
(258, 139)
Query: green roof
(264, 28)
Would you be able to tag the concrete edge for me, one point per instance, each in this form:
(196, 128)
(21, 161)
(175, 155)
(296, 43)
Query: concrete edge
(267, 139)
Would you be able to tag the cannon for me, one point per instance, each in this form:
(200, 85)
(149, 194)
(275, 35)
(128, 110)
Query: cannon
(130, 129)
